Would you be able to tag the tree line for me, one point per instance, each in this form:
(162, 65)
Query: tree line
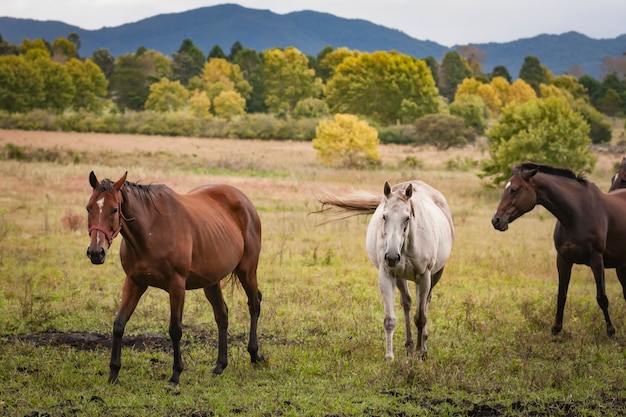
(385, 87)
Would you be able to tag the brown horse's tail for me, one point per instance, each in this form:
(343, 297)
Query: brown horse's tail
(355, 204)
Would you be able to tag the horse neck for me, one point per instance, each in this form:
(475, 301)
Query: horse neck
(566, 198)
(137, 216)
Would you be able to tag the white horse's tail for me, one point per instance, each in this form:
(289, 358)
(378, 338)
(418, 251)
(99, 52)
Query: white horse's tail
(355, 204)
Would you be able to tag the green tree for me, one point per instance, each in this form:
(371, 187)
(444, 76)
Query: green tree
(166, 96)
(234, 50)
(545, 130)
(346, 141)
(533, 73)
(105, 61)
(128, 85)
(7, 48)
(90, 84)
(188, 62)
(288, 79)
(155, 66)
(251, 65)
(58, 89)
(452, 72)
(216, 52)
(310, 108)
(21, 85)
(382, 86)
(501, 71)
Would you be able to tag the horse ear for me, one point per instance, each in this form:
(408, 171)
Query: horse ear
(93, 181)
(387, 189)
(528, 174)
(409, 191)
(118, 184)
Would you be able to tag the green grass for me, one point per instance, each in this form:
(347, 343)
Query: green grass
(490, 348)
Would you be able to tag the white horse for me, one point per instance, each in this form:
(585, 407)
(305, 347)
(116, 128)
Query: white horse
(409, 238)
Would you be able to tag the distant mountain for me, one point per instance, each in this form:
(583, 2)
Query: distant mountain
(310, 32)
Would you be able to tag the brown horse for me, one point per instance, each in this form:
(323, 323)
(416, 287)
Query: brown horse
(590, 227)
(177, 242)
(619, 179)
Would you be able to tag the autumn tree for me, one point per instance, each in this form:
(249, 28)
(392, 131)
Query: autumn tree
(228, 104)
(383, 86)
(166, 96)
(219, 75)
(346, 141)
(288, 79)
(474, 57)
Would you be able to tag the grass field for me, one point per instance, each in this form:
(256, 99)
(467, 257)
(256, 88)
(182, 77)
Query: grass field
(490, 348)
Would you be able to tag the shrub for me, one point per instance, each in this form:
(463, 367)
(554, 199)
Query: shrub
(443, 131)
(310, 108)
(346, 141)
(72, 221)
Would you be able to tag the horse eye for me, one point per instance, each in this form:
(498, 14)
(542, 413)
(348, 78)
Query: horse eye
(114, 211)
(384, 217)
(88, 209)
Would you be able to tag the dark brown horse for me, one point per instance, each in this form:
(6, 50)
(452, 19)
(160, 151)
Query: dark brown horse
(590, 227)
(177, 242)
(619, 179)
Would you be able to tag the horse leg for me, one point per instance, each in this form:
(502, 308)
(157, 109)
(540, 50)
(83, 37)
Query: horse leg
(405, 301)
(597, 266)
(564, 269)
(130, 297)
(423, 297)
(387, 291)
(177, 302)
(621, 275)
(248, 279)
(220, 312)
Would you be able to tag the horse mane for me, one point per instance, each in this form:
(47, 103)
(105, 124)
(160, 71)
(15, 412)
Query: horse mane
(552, 170)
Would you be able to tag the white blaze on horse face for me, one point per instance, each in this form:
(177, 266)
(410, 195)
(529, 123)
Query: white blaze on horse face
(508, 184)
(100, 204)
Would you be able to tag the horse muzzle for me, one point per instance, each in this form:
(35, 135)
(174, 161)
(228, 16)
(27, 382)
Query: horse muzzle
(500, 223)
(96, 255)
(392, 259)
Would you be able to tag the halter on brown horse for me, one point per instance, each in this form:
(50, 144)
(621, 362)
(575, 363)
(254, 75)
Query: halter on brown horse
(590, 227)
(177, 242)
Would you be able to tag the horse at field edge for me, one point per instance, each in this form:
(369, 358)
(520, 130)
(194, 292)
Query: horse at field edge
(177, 242)
(409, 238)
(590, 228)
(619, 179)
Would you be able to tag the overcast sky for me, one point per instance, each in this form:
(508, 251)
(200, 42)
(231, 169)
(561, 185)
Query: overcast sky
(447, 22)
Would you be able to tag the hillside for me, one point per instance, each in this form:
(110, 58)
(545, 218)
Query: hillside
(310, 32)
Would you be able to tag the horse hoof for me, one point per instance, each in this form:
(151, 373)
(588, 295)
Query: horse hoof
(258, 359)
(610, 330)
(556, 330)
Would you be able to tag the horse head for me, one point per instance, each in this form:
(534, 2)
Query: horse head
(519, 197)
(397, 213)
(619, 179)
(104, 216)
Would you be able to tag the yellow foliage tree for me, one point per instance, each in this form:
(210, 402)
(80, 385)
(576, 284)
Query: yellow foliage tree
(490, 97)
(200, 104)
(521, 92)
(228, 104)
(467, 86)
(346, 141)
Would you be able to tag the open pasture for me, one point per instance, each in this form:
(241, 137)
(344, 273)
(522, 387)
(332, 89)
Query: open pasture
(490, 347)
